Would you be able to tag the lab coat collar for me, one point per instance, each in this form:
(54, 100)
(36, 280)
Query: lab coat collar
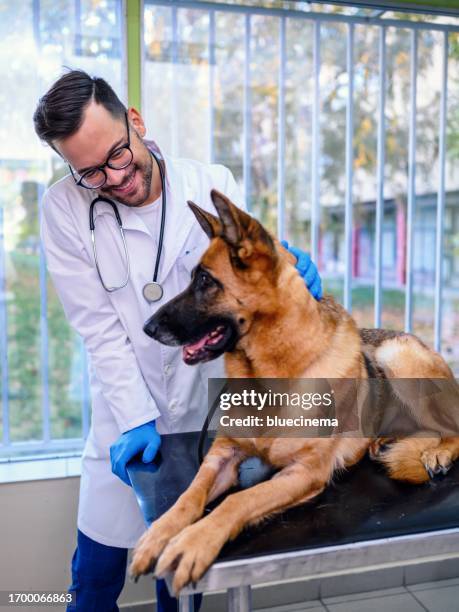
(153, 148)
(179, 218)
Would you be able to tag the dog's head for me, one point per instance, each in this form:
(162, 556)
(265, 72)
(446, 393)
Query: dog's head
(234, 283)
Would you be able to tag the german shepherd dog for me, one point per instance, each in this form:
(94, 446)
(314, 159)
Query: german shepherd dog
(247, 300)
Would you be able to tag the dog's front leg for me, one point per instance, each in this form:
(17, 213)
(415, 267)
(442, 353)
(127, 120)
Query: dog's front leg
(196, 547)
(217, 473)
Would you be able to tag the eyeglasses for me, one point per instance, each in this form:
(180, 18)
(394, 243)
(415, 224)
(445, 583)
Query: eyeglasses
(96, 177)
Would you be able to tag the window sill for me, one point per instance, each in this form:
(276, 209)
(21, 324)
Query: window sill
(40, 469)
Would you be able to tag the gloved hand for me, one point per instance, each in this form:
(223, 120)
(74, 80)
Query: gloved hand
(307, 269)
(142, 438)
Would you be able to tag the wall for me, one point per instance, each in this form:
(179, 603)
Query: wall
(38, 536)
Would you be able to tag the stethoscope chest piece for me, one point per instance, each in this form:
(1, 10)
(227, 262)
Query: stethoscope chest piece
(152, 292)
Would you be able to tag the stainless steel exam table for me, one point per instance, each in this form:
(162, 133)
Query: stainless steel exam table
(362, 519)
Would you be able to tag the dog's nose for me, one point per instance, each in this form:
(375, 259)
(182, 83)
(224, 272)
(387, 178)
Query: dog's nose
(151, 327)
(154, 323)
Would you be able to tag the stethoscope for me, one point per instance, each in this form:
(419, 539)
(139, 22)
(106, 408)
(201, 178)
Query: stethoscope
(152, 291)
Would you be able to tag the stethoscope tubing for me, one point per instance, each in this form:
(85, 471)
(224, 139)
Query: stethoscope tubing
(163, 219)
(92, 227)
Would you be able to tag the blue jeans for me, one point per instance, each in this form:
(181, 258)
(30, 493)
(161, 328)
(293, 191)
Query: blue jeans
(98, 574)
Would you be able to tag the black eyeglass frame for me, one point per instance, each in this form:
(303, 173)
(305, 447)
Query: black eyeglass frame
(107, 162)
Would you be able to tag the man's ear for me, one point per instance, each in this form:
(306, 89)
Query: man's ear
(209, 222)
(136, 121)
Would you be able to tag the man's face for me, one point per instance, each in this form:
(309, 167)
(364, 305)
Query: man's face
(101, 133)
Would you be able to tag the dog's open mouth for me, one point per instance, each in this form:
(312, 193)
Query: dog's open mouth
(210, 346)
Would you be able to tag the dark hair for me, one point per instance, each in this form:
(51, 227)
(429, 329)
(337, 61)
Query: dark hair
(59, 112)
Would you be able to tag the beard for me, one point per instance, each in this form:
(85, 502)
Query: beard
(139, 197)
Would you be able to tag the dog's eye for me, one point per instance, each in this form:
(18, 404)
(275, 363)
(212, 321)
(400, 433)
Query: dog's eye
(204, 280)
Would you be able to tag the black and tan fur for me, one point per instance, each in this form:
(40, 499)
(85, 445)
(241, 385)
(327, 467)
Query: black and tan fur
(247, 292)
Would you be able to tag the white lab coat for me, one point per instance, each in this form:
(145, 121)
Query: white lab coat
(133, 379)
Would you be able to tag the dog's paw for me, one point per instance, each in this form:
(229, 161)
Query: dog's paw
(379, 446)
(437, 461)
(189, 555)
(149, 548)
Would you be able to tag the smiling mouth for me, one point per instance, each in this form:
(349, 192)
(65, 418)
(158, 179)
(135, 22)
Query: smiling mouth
(127, 187)
(210, 346)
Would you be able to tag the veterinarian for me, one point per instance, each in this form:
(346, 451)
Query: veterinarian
(139, 388)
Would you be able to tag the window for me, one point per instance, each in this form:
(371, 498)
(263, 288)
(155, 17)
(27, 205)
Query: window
(44, 389)
(299, 100)
(313, 107)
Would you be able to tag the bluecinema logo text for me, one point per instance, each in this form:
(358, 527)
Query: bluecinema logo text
(269, 399)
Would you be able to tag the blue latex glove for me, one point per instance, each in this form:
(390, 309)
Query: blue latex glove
(142, 438)
(252, 471)
(307, 270)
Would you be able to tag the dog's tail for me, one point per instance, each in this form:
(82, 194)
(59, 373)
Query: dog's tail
(403, 459)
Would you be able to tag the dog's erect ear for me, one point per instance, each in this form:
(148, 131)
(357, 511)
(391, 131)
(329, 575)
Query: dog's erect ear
(234, 221)
(244, 234)
(209, 222)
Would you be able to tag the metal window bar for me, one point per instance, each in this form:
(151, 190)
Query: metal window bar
(311, 16)
(175, 44)
(349, 168)
(212, 65)
(281, 133)
(441, 197)
(4, 335)
(143, 55)
(23, 451)
(78, 30)
(411, 201)
(380, 176)
(36, 22)
(247, 114)
(315, 156)
(44, 347)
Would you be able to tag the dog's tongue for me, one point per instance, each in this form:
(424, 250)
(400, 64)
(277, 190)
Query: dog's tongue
(199, 344)
(211, 338)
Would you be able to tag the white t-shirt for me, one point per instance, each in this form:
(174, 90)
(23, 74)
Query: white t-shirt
(151, 216)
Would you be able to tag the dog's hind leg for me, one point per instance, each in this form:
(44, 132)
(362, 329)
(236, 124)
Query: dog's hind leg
(379, 446)
(218, 472)
(416, 458)
(404, 458)
(440, 458)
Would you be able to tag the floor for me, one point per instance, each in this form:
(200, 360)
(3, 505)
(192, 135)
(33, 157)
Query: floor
(439, 596)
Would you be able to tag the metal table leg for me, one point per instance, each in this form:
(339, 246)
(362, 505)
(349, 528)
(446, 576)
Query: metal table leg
(186, 603)
(240, 599)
